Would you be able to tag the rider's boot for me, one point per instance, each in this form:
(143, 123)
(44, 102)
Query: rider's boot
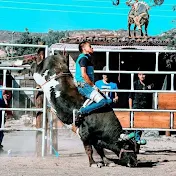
(78, 118)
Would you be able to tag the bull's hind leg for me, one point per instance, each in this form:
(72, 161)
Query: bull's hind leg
(105, 160)
(129, 29)
(146, 25)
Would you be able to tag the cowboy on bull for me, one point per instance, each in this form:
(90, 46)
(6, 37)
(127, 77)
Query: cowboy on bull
(84, 79)
(134, 12)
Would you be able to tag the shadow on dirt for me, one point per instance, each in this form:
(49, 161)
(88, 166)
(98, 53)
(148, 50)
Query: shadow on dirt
(159, 152)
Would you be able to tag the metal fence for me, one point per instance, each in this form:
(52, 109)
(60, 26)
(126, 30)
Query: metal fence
(43, 129)
(132, 73)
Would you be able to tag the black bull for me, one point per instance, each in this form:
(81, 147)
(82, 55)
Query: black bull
(101, 129)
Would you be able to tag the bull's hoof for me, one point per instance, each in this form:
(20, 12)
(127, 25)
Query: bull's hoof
(97, 165)
(100, 165)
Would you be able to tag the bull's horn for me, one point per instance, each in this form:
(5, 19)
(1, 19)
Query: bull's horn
(127, 136)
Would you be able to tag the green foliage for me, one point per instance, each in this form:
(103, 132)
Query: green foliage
(54, 37)
(26, 38)
(33, 38)
(170, 58)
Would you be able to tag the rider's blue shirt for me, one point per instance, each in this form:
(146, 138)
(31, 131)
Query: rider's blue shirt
(84, 60)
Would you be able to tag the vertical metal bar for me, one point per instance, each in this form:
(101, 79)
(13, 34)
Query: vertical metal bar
(132, 113)
(107, 61)
(52, 51)
(3, 119)
(12, 41)
(172, 81)
(156, 100)
(132, 81)
(156, 94)
(74, 115)
(12, 93)
(4, 78)
(25, 104)
(171, 120)
(51, 131)
(46, 51)
(156, 64)
(44, 125)
(119, 67)
(30, 103)
(4, 86)
(171, 113)
(131, 119)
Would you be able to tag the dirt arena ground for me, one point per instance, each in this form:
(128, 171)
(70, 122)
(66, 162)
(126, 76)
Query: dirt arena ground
(159, 158)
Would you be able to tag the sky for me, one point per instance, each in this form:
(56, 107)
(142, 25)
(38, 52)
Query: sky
(45, 15)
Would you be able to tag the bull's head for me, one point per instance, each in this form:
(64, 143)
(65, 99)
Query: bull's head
(60, 63)
(28, 62)
(56, 63)
(128, 153)
(129, 149)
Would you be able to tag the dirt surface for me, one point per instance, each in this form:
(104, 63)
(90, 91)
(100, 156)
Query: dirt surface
(159, 158)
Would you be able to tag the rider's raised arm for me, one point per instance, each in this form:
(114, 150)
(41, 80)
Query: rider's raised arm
(129, 3)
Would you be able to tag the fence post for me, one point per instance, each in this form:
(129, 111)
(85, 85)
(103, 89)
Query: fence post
(4, 86)
(156, 64)
(107, 61)
(168, 133)
(44, 127)
(132, 112)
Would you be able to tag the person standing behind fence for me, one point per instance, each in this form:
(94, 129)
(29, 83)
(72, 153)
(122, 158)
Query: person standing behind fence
(3, 103)
(39, 94)
(106, 84)
(140, 100)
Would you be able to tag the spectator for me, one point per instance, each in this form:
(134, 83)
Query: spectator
(106, 84)
(40, 55)
(140, 100)
(4, 97)
(39, 94)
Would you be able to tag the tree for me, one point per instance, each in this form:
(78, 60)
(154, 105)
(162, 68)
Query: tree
(26, 38)
(35, 38)
(170, 58)
(54, 37)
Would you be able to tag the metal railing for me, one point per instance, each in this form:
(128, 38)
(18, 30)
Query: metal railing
(118, 51)
(43, 129)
